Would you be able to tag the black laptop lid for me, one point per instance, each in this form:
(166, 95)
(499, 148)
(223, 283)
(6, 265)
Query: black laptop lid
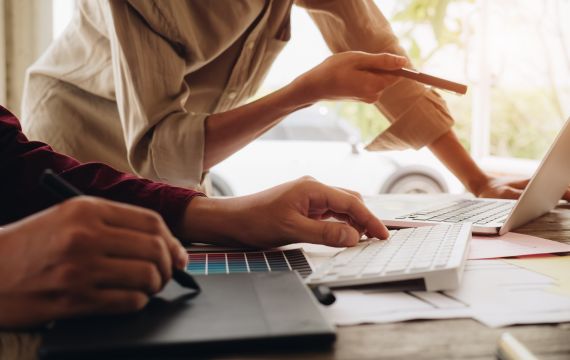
(234, 312)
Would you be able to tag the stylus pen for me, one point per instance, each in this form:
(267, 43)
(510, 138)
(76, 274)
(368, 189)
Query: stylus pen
(430, 80)
(64, 190)
(323, 294)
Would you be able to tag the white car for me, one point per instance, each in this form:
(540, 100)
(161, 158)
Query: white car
(313, 142)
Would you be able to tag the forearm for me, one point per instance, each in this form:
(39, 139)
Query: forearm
(228, 132)
(24, 161)
(346, 76)
(452, 154)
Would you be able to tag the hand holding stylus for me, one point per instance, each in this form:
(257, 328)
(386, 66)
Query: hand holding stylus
(64, 191)
(85, 256)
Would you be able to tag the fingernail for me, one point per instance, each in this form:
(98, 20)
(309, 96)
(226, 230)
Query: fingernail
(343, 239)
(182, 258)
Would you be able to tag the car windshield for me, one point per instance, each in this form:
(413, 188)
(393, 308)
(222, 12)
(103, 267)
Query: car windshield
(313, 124)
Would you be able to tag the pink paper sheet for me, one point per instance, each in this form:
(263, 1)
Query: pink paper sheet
(512, 244)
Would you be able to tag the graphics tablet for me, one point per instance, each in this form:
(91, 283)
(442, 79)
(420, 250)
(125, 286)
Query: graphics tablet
(234, 312)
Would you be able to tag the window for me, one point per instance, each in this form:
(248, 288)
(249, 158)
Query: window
(62, 12)
(514, 54)
(24, 36)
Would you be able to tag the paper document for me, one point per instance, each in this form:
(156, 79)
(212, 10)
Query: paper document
(368, 306)
(501, 294)
(512, 244)
(493, 292)
(555, 267)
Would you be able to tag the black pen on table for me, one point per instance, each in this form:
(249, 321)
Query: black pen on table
(64, 190)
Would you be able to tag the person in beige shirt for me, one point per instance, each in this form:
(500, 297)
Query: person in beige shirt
(157, 88)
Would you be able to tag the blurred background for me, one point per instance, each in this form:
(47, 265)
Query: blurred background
(513, 54)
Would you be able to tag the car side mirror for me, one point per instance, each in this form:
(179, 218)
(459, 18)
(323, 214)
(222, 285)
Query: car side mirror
(354, 142)
(354, 148)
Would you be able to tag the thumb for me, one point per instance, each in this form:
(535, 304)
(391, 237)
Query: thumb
(566, 195)
(383, 61)
(512, 193)
(329, 233)
(178, 253)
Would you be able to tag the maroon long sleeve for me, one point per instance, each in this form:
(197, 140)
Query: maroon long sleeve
(23, 161)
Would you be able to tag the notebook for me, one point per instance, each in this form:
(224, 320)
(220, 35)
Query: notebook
(234, 313)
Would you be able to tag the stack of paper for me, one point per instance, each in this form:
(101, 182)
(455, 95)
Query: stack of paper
(556, 267)
(495, 292)
(500, 293)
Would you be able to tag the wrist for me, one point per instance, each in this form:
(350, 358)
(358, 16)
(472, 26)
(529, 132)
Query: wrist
(303, 92)
(209, 220)
(477, 183)
(453, 155)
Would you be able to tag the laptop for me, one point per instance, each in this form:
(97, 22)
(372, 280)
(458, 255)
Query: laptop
(495, 216)
(233, 313)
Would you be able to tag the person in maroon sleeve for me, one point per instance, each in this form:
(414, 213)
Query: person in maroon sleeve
(91, 255)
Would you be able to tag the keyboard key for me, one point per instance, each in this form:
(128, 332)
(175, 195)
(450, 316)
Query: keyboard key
(350, 272)
(422, 265)
(345, 256)
(396, 268)
(373, 269)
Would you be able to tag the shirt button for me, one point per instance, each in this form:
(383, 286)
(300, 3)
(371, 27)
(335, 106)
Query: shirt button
(232, 95)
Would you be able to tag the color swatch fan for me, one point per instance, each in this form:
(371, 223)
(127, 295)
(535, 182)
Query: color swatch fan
(205, 263)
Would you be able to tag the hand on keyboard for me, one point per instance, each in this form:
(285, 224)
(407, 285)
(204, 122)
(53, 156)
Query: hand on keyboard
(288, 213)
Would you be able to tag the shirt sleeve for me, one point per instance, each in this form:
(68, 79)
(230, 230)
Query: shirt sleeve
(22, 163)
(164, 140)
(418, 115)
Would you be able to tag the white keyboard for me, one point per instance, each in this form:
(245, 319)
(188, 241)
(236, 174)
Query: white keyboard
(436, 254)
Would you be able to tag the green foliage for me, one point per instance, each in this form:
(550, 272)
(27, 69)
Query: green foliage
(434, 14)
(523, 124)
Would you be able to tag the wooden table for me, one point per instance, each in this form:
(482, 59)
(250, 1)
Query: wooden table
(436, 339)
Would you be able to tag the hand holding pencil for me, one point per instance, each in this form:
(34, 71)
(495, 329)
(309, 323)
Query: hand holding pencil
(359, 76)
(430, 80)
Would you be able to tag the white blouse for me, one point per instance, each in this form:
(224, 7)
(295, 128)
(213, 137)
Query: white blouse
(130, 83)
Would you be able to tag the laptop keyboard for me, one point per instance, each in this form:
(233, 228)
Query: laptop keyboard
(474, 211)
(432, 253)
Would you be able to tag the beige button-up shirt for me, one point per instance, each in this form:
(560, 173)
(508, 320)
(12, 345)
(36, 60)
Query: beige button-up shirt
(130, 83)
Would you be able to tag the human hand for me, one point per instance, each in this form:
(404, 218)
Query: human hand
(288, 213)
(508, 189)
(351, 75)
(84, 256)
